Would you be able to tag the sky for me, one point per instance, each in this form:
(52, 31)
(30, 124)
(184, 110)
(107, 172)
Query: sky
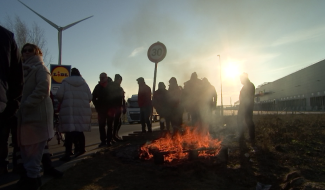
(266, 39)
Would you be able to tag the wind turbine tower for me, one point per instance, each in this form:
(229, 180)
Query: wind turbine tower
(59, 28)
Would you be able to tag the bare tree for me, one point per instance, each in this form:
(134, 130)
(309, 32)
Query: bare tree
(28, 34)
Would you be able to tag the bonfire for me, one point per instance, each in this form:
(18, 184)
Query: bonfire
(180, 145)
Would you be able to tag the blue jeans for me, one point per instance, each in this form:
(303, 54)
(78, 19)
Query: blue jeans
(32, 157)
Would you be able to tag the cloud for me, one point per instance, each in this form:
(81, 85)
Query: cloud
(301, 35)
(136, 51)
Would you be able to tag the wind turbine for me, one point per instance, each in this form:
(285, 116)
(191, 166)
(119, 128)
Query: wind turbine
(59, 28)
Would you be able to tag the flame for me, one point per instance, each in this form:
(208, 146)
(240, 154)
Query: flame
(179, 145)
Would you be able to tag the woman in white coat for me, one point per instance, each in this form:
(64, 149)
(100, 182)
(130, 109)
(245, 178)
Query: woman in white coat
(35, 115)
(75, 112)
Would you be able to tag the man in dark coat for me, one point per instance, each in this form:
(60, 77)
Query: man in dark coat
(245, 111)
(100, 101)
(11, 85)
(144, 101)
(192, 98)
(160, 102)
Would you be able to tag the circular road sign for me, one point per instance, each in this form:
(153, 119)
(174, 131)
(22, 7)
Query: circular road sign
(157, 52)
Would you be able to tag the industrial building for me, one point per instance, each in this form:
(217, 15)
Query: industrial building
(303, 90)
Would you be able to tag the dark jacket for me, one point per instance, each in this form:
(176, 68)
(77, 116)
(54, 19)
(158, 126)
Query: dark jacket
(160, 102)
(246, 97)
(11, 74)
(116, 95)
(192, 94)
(100, 97)
(144, 96)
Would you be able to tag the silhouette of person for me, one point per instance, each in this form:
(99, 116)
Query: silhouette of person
(160, 103)
(100, 100)
(174, 98)
(11, 86)
(116, 106)
(209, 100)
(144, 101)
(245, 111)
(192, 98)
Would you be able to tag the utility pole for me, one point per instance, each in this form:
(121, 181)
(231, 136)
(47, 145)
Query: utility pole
(221, 87)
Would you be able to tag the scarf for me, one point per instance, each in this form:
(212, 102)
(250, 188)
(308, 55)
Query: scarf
(31, 63)
(103, 84)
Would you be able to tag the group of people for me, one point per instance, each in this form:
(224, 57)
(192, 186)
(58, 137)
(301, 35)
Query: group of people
(26, 109)
(198, 98)
(108, 99)
(25, 103)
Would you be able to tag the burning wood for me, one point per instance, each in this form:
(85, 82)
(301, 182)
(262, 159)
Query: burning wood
(181, 146)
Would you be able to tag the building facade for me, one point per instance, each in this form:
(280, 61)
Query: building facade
(303, 90)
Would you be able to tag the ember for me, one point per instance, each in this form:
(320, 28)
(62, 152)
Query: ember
(180, 146)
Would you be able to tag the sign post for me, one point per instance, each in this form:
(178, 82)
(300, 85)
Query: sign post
(58, 73)
(156, 53)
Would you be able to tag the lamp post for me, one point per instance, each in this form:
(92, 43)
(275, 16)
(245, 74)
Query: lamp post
(221, 87)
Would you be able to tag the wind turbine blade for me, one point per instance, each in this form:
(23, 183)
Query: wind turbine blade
(68, 26)
(48, 21)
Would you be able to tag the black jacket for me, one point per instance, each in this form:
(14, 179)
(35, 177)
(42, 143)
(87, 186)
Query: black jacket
(100, 97)
(11, 74)
(116, 95)
(246, 96)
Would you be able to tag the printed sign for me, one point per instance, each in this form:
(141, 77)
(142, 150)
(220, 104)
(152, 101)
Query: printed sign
(59, 72)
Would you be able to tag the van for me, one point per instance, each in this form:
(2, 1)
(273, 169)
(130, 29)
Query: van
(133, 111)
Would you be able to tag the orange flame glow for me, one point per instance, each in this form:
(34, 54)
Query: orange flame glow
(178, 146)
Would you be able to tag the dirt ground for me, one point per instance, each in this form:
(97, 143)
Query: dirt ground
(289, 154)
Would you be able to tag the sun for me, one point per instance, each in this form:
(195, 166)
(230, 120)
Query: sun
(231, 70)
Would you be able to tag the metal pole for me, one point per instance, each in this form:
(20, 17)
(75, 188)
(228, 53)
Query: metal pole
(221, 87)
(154, 79)
(154, 87)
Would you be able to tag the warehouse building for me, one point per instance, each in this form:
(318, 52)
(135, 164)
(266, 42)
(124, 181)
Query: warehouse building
(303, 90)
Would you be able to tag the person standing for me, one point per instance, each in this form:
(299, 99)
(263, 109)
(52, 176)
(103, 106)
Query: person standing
(35, 115)
(100, 101)
(192, 99)
(144, 101)
(245, 111)
(116, 106)
(11, 86)
(208, 102)
(174, 102)
(160, 102)
(75, 112)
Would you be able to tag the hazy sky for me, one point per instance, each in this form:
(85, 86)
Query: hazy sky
(266, 39)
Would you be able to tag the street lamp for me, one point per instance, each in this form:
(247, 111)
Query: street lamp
(221, 87)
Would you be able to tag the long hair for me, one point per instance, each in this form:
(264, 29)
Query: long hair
(36, 49)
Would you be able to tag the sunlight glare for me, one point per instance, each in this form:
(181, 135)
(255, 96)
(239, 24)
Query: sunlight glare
(231, 70)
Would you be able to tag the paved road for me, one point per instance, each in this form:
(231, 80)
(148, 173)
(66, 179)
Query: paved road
(92, 141)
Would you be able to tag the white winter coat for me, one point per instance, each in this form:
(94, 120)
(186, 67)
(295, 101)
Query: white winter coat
(75, 112)
(35, 115)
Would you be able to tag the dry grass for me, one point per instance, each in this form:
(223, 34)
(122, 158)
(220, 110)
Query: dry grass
(289, 153)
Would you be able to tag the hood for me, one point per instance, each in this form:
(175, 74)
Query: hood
(75, 80)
